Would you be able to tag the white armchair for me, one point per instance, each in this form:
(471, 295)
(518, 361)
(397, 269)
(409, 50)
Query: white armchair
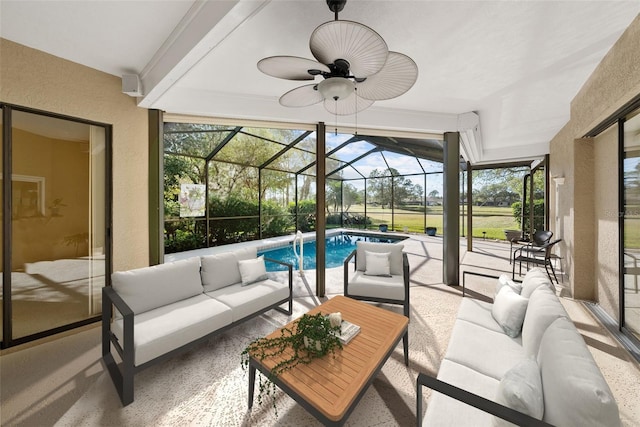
(381, 275)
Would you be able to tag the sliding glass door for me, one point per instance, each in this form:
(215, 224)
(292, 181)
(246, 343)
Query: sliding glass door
(56, 207)
(630, 298)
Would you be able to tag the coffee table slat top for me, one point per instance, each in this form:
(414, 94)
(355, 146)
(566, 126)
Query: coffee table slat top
(332, 383)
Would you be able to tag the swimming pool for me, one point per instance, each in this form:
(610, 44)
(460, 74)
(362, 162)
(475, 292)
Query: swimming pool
(338, 247)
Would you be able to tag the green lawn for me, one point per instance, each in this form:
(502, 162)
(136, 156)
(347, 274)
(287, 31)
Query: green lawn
(490, 219)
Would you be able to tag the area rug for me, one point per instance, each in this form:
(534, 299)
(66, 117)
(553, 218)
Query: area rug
(208, 387)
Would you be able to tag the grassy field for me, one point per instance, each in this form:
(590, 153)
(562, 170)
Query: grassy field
(489, 219)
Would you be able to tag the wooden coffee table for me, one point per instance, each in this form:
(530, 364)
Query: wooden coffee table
(330, 387)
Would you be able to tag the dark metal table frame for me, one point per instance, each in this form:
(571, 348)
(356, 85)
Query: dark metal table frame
(254, 364)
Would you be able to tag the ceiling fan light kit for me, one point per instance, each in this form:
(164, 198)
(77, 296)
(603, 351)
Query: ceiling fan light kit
(355, 63)
(336, 88)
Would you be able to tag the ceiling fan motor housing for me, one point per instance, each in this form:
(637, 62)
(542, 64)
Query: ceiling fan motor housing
(336, 5)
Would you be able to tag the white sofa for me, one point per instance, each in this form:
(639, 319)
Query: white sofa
(543, 374)
(165, 309)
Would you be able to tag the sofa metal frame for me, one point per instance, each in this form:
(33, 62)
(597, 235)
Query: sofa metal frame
(123, 373)
(474, 400)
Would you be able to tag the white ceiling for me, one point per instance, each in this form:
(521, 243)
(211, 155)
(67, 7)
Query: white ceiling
(515, 65)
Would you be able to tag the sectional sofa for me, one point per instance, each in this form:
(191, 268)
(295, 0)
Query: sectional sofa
(151, 314)
(519, 359)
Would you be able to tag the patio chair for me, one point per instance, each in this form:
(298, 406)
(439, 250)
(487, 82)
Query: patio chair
(381, 274)
(537, 256)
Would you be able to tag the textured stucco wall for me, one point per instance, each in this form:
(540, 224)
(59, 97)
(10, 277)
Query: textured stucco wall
(583, 220)
(613, 83)
(34, 79)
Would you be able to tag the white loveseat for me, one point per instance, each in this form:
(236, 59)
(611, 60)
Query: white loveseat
(165, 309)
(542, 375)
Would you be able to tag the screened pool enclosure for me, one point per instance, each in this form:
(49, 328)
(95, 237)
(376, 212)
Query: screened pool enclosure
(226, 184)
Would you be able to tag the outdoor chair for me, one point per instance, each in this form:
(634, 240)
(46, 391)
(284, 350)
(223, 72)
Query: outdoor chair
(381, 274)
(537, 256)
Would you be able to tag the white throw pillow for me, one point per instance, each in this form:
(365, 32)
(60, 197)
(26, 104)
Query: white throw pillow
(252, 270)
(508, 310)
(504, 280)
(378, 263)
(521, 389)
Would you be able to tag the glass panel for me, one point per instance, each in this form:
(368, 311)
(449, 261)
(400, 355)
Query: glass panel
(194, 139)
(408, 196)
(404, 165)
(431, 166)
(497, 201)
(57, 219)
(278, 203)
(353, 150)
(631, 307)
(353, 204)
(250, 149)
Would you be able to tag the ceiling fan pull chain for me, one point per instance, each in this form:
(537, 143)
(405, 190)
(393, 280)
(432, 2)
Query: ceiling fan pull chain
(355, 92)
(336, 114)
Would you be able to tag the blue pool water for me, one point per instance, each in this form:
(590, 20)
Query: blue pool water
(338, 247)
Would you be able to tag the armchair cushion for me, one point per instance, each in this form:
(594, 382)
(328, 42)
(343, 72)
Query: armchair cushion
(144, 289)
(378, 264)
(391, 287)
(395, 259)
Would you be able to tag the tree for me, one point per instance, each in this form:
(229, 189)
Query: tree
(382, 183)
(434, 194)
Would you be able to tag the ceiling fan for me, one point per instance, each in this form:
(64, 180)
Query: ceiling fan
(355, 63)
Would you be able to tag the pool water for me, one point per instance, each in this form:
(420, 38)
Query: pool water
(338, 248)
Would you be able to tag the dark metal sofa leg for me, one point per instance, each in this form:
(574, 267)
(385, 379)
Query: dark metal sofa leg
(405, 344)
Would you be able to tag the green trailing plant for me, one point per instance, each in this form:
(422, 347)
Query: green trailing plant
(311, 337)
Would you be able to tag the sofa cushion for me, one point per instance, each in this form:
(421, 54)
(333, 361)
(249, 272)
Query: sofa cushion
(508, 310)
(247, 300)
(575, 392)
(252, 270)
(443, 410)
(521, 389)
(222, 269)
(478, 312)
(144, 289)
(544, 307)
(377, 286)
(535, 278)
(163, 329)
(395, 259)
(378, 264)
(488, 352)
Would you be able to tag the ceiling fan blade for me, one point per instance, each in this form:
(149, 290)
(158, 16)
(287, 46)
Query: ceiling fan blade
(290, 67)
(365, 49)
(395, 78)
(350, 105)
(302, 96)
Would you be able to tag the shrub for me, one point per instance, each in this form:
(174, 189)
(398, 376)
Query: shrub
(538, 215)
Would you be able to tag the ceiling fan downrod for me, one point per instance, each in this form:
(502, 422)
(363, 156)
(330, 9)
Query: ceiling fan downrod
(336, 6)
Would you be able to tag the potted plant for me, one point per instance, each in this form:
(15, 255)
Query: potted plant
(310, 337)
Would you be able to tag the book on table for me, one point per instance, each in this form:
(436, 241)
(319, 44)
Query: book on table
(348, 330)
